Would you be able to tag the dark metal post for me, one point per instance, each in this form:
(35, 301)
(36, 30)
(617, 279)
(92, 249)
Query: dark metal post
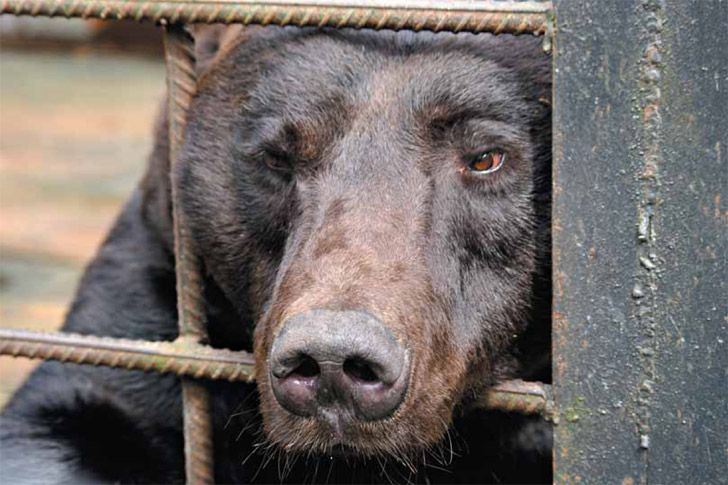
(179, 52)
(640, 246)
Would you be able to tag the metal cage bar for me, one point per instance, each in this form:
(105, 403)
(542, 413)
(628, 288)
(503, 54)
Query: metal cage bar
(183, 357)
(192, 314)
(435, 15)
(188, 356)
(188, 359)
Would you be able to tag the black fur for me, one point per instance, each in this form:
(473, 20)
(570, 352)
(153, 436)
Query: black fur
(71, 424)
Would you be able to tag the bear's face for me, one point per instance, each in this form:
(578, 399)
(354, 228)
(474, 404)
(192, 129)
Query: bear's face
(366, 201)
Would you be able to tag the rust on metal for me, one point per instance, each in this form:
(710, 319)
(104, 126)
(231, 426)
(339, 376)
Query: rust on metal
(440, 15)
(183, 358)
(197, 418)
(181, 86)
(192, 314)
(521, 396)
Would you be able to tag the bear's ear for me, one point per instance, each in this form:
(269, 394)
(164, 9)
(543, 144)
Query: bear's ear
(209, 41)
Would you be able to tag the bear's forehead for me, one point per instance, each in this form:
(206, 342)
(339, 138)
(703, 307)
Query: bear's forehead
(396, 74)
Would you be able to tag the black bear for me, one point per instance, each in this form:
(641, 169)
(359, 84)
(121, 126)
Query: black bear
(372, 211)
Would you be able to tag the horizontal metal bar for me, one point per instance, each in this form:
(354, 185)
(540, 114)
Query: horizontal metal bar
(186, 358)
(433, 15)
(473, 5)
(520, 396)
(182, 357)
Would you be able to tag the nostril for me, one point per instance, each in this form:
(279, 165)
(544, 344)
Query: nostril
(360, 370)
(307, 368)
(342, 362)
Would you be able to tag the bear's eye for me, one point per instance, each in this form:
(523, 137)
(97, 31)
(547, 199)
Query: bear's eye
(485, 162)
(278, 163)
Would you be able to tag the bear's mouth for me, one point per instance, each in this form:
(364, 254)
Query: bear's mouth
(343, 452)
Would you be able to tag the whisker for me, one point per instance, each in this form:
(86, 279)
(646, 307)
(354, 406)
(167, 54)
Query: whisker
(331, 467)
(384, 470)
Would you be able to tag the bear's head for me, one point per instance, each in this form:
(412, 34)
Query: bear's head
(375, 207)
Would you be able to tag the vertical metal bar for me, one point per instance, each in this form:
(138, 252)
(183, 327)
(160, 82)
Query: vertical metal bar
(181, 85)
(639, 231)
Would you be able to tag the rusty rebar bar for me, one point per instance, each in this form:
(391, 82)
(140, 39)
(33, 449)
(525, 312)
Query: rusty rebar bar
(181, 86)
(434, 15)
(185, 358)
(520, 396)
(181, 357)
(192, 313)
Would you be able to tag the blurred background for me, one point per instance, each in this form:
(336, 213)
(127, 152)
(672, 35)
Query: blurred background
(77, 104)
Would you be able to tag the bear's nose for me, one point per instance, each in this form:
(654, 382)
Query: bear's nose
(342, 363)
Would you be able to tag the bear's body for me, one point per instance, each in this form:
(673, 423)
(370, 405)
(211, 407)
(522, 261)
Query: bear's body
(316, 174)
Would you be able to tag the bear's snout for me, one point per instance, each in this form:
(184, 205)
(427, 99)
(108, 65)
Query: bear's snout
(338, 366)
